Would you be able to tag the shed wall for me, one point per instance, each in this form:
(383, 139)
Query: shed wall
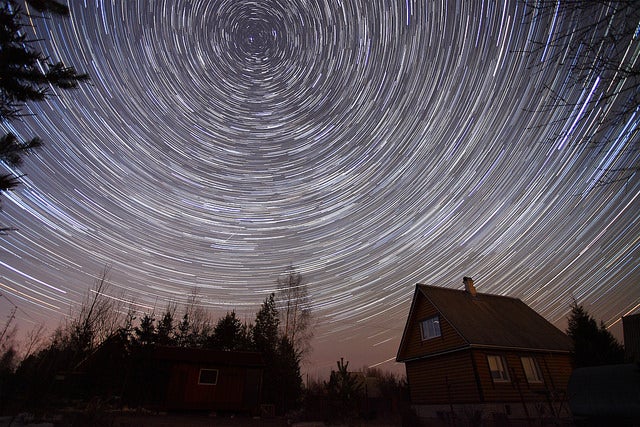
(228, 393)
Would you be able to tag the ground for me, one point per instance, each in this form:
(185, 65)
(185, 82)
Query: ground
(182, 420)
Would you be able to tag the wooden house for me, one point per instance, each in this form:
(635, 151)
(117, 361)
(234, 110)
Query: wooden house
(480, 355)
(211, 380)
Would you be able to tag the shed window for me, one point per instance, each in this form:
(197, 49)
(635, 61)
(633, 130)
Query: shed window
(498, 368)
(208, 377)
(430, 328)
(531, 370)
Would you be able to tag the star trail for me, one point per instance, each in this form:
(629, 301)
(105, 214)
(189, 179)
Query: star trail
(371, 144)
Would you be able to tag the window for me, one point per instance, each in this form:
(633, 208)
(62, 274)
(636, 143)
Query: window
(498, 368)
(430, 328)
(208, 377)
(531, 370)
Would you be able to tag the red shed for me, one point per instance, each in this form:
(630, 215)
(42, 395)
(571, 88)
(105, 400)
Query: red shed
(213, 380)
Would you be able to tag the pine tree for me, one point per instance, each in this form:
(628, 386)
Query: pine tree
(230, 334)
(26, 75)
(287, 370)
(593, 345)
(183, 338)
(265, 329)
(49, 6)
(145, 334)
(345, 391)
(165, 330)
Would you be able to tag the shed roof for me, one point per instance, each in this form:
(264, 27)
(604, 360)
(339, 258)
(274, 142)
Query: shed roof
(218, 357)
(494, 321)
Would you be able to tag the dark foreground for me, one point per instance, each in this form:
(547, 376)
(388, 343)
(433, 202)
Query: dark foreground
(171, 420)
(240, 421)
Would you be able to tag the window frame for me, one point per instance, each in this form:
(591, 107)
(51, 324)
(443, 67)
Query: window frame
(430, 328)
(532, 368)
(501, 368)
(202, 370)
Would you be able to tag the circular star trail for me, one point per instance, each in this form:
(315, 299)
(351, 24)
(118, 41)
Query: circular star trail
(371, 144)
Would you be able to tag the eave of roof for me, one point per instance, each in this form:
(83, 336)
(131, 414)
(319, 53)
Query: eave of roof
(479, 347)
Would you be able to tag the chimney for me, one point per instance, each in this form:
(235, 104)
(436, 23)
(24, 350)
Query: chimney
(468, 286)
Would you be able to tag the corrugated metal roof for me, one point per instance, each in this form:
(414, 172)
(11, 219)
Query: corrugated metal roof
(496, 321)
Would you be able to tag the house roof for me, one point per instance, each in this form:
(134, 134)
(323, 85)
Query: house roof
(486, 320)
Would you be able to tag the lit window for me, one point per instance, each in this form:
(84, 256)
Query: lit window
(430, 328)
(531, 370)
(498, 368)
(208, 377)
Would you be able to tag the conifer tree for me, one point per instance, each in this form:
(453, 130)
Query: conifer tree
(230, 334)
(165, 329)
(26, 75)
(265, 329)
(593, 345)
(287, 370)
(145, 334)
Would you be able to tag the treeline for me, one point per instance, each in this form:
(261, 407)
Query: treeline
(102, 352)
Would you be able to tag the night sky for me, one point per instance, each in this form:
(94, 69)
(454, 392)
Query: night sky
(373, 144)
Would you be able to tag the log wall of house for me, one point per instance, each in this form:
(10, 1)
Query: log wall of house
(555, 369)
(443, 379)
(416, 347)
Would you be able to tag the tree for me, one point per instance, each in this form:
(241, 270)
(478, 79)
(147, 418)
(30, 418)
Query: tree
(295, 310)
(599, 42)
(230, 334)
(8, 358)
(98, 318)
(195, 328)
(287, 370)
(145, 333)
(183, 335)
(282, 382)
(97, 323)
(165, 329)
(265, 329)
(26, 74)
(593, 345)
(49, 6)
(344, 391)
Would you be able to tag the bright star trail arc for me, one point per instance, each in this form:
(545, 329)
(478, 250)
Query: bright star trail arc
(371, 144)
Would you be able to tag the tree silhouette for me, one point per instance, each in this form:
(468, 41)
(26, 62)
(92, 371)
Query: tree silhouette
(282, 382)
(26, 75)
(295, 310)
(265, 329)
(230, 334)
(145, 334)
(599, 41)
(165, 329)
(593, 345)
(287, 370)
(345, 390)
(49, 6)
